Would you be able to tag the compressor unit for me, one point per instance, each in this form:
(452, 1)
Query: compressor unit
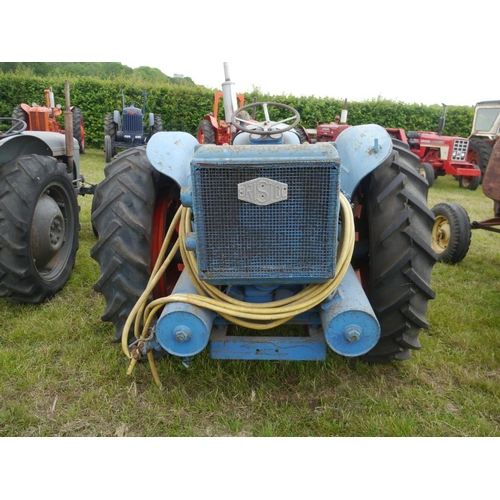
(266, 248)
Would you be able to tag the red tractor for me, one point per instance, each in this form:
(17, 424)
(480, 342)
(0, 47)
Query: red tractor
(211, 130)
(439, 154)
(44, 118)
(451, 233)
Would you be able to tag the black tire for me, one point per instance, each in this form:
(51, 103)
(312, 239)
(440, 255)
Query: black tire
(451, 233)
(471, 183)
(109, 127)
(479, 153)
(109, 151)
(158, 125)
(397, 270)
(125, 202)
(205, 133)
(20, 114)
(39, 225)
(302, 134)
(93, 208)
(426, 170)
(78, 128)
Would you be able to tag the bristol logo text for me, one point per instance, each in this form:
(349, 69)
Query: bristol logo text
(262, 191)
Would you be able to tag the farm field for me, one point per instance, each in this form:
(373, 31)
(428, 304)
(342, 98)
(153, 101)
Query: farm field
(60, 375)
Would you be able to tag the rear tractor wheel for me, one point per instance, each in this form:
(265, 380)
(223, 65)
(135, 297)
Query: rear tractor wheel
(131, 217)
(395, 258)
(39, 224)
(205, 133)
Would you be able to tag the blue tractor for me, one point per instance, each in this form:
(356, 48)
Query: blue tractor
(267, 248)
(129, 128)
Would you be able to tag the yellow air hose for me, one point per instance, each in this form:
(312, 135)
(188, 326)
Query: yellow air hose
(258, 316)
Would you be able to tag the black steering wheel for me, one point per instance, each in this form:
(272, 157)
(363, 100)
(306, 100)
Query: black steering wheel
(17, 127)
(265, 127)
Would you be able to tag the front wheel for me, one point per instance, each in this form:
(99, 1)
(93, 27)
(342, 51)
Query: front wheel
(39, 224)
(470, 182)
(427, 171)
(451, 233)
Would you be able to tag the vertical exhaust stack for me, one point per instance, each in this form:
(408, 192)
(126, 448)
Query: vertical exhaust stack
(229, 97)
(343, 113)
(68, 128)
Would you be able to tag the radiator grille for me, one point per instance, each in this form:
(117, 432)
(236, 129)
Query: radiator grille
(132, 123)
(291, 241)
(460, 149)
(39, 121)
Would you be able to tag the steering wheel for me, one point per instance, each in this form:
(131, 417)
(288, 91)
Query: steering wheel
(17, 127)
(265, 127)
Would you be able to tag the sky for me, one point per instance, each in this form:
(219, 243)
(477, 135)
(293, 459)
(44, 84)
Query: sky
(426, 52)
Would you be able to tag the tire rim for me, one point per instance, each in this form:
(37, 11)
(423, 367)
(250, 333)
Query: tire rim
(164, 212)
(440, 234)
(52, 232)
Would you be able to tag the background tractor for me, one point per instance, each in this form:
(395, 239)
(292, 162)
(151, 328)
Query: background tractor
(44, 118)
(212, 130)
(484, 134)
(129, 128)
(268, 248)
(451, 234)
(438, 154)
(39, 215)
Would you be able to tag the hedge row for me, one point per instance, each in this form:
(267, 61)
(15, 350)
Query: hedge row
(182, 107)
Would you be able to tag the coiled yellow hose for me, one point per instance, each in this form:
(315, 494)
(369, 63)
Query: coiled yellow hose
(258, 316)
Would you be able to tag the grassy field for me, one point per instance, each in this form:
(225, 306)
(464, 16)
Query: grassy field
(61, 376)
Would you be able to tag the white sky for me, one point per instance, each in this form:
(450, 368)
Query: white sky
(428, 52)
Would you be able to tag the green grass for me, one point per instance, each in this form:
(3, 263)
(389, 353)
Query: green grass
(60, 375)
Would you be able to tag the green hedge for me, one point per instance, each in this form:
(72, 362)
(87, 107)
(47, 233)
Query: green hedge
(182, 107)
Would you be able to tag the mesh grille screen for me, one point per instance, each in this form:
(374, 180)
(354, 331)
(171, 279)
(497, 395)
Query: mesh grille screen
(290, 241)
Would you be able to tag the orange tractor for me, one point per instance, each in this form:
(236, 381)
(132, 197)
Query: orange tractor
(211, 130)
(44, 118)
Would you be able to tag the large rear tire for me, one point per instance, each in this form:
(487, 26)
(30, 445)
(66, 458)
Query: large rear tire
(205, 133)
(39, 224)
(78, 128)
(397, 271)
(479, 153)
(123, 216)
(109, 138)
(20, 114)
(451, 233)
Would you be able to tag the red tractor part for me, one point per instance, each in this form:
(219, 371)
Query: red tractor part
(446, 155)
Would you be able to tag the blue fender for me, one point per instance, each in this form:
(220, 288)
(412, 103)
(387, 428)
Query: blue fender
(362, 149)
(170, 153)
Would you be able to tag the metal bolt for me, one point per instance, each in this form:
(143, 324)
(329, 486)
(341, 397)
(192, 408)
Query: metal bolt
(182, 333)
(352, 333)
